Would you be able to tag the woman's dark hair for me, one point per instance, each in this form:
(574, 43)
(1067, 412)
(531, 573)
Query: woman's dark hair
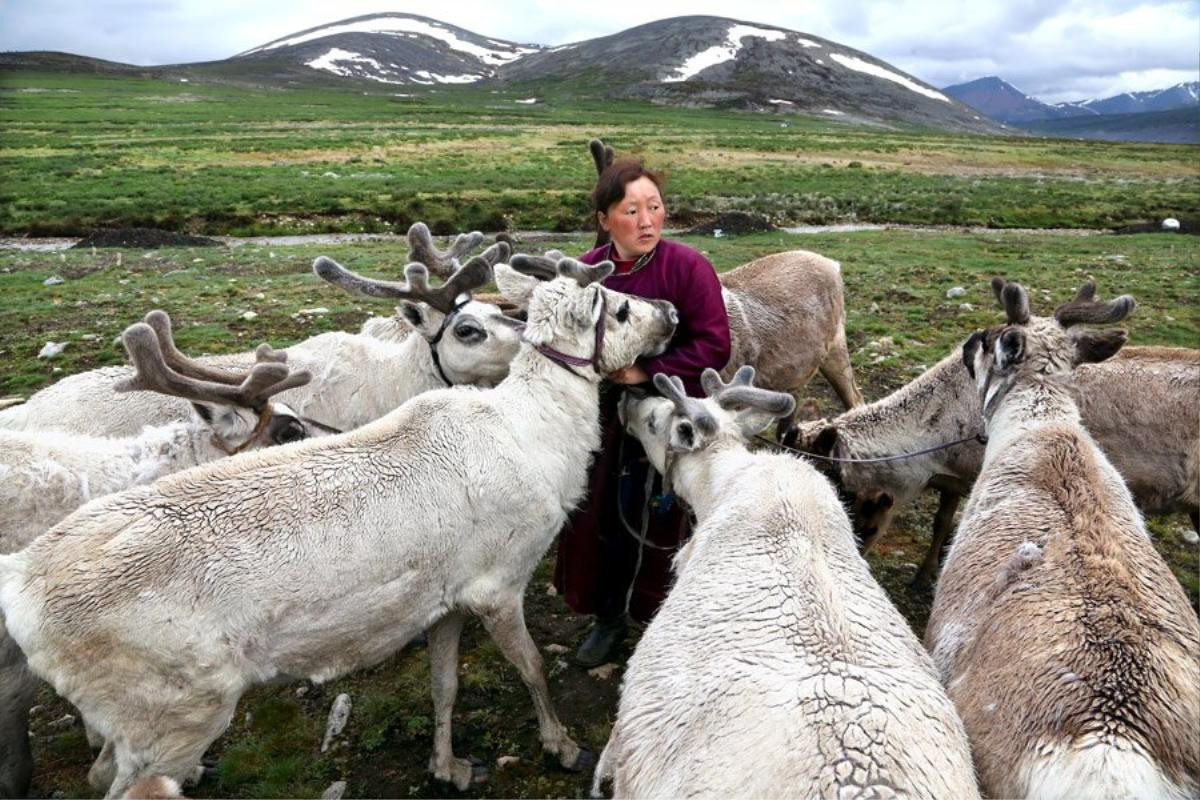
(610, 186)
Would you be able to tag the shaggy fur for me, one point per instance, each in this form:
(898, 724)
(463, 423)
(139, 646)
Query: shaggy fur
(1064, 640)
(155, 609)
(777, 667)
(1139, 406)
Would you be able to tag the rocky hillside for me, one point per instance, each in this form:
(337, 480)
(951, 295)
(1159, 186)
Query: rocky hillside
(714, 61)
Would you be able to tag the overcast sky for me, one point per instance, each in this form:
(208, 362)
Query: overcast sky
(1054, 50)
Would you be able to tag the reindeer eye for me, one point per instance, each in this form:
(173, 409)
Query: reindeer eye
(623, 312)
(468, 332)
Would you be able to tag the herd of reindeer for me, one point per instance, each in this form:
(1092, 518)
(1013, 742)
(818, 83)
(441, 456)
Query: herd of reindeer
(179, 530)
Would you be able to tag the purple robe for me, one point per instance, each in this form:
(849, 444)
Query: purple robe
(598, 557)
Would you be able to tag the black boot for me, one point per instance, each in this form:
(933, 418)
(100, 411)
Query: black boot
(606, 634)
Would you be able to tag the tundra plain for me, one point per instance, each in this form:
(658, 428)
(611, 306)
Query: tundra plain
(81, 151)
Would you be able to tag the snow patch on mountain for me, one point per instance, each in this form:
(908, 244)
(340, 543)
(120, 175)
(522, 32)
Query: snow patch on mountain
(727, 51)
(858, 65)
(403, 26)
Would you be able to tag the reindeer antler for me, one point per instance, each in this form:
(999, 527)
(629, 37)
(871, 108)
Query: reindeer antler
(1084, 308)
(251, 389)
(742, 393)
(441, 262)
(160, 323)
(1014, 298)
(544, 268)
(475, 273)
(602, 154)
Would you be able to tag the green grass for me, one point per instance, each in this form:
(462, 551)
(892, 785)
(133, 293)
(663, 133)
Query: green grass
(81, 151)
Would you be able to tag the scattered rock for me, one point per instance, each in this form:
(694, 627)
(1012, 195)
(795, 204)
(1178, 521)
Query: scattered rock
(301, 691)
(35, 710)
(338, 716)
(551, 591)
(51, 349)
(312, 312)
(329, 174)
(142, 238)
(65, 721)
(874, 309)
(335, 791)
(1189, 535)
(965, 307)
(603, 672)
(883, 344)
(504, 761)
(249, 315)
(53, 280)
(956, 291)
(556, 649)
(1170, 224)
(733, 223)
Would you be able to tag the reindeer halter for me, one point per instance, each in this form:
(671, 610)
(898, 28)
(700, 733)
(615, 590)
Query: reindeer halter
(566, 361)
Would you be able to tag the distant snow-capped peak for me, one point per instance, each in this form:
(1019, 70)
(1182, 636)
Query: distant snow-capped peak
(390, 25)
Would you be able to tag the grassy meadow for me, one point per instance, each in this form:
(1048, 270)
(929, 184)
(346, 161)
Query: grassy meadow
(80, 151)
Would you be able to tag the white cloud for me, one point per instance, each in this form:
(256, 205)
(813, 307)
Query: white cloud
(1052, 49)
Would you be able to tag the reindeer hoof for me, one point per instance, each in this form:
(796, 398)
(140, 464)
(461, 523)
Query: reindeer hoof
(464, 773)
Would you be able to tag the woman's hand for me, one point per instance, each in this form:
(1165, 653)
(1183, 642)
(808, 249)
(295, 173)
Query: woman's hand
(629, 376)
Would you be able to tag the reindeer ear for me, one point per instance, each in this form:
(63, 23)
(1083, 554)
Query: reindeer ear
(515, 286)
(970, 348)
(1010, 348)
(413, 313)
(826, 440)
(1092, 346)
(683, 436)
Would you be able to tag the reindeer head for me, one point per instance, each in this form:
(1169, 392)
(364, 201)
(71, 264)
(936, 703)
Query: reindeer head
(675, 423)
(570, 313)
(472, 342)
(236, 405)
(1028, 345)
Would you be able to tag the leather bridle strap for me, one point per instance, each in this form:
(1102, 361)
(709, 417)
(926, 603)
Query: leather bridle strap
(437, 337)
(566, 361)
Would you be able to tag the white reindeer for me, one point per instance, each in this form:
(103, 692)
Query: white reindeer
(358, 378)
(45, 475)
(153, 610)
(776, 667)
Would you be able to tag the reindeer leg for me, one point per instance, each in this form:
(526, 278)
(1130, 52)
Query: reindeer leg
(443, 638)
(838, 371)
(943, 526)
(505, 623)
(17, 685)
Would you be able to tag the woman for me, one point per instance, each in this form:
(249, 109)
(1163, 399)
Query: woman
(614, 553)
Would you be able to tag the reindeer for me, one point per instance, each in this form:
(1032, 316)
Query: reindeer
(45, 475)
(1064, 640)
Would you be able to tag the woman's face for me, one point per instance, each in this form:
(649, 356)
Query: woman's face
(635, 221)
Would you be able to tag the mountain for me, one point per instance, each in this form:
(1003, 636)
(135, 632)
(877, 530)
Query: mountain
(689, 61)
(1177, 126)
(388, 48)
(714, 61)
(1167, 115)
(1181, 95)
(1002, 101)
